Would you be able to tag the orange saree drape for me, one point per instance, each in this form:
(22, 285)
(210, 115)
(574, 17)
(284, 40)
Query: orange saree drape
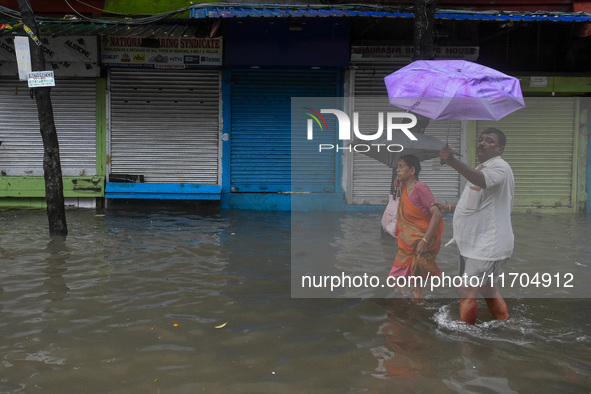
(412, 225)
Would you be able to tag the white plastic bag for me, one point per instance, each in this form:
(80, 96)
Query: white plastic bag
(389, 216)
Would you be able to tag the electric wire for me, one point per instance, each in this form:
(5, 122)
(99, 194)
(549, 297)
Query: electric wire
(134, 19)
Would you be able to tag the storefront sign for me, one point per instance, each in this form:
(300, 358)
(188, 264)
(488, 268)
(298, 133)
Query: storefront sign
(165, 53)
(67, 56)
(402, 53)
(39, 79)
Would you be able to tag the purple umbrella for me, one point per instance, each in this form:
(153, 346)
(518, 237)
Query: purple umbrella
(454, 89)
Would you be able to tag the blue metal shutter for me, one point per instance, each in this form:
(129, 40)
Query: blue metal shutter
(261, 146)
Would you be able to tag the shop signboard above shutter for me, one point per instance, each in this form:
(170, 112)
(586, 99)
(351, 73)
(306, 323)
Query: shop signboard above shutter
(165, 53)
(401, 55)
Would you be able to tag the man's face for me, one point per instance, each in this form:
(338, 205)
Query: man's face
(487, 147)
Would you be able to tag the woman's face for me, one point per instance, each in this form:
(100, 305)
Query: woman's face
(404, 172)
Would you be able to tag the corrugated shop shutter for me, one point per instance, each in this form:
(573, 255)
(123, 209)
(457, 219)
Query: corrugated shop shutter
(262, 153)
(164, 125)
(74, 109)
(540, 140)
(372, 179)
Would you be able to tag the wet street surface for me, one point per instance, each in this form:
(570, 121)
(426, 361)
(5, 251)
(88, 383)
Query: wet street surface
(164, 301)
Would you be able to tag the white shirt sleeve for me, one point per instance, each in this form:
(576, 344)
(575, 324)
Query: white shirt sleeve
(495, 173)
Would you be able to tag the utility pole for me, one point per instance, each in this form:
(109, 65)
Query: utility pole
(423, 29)
(52, 169)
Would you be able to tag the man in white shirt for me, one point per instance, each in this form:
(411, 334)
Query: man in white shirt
(482, 224)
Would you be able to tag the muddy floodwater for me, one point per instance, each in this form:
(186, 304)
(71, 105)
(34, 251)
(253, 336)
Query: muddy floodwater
(190, 301)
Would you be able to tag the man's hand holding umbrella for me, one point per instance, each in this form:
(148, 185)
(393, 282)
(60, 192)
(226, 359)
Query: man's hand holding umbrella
(446, 155)
(474, 176)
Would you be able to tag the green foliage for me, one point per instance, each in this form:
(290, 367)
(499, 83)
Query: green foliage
(150, 7)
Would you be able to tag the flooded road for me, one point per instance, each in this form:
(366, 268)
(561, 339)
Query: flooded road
(184, 302)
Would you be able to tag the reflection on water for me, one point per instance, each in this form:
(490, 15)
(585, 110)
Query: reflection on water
(130, 302)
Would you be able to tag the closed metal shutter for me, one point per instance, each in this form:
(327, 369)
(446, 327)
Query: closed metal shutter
(165, 125)
(540, 145)
(74, 110)
(261, 140)
(372, 179)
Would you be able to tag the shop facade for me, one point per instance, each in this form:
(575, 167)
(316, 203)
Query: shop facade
(77, 112)
(163, 120)
(267, 63)
(546, 147)
(364, 182)
(179, 113)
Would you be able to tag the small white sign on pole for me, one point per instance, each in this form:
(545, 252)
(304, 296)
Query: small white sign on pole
(39, 79)
(23, 56)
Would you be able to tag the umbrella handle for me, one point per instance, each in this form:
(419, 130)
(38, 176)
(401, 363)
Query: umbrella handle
(446, 141)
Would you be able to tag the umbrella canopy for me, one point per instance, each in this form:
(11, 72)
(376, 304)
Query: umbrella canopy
(454, 89)
(424, 148)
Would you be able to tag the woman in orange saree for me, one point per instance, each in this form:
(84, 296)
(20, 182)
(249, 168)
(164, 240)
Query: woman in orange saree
(419, 227)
